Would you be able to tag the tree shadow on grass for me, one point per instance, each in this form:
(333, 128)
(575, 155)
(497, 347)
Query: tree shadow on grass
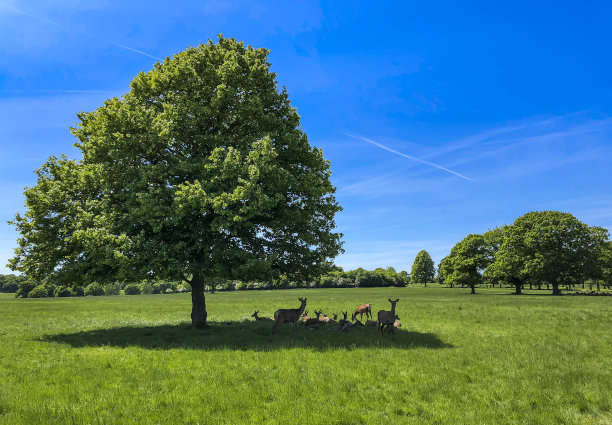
(245, 335)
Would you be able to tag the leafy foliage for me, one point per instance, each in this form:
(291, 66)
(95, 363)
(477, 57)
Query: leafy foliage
(94, 289)
(39, 292)
(132, 289)
(200, 171)
(548, 246)
(422, 268)
(466, 262)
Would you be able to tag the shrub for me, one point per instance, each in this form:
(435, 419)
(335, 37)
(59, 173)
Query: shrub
(112, 289)
(162, 287)
(62, 291)
(132, 289)
(184, 288)
(50, 288)
(39, 292)
(10, 287)
(78, 291)
(146, 287)
(94, 289)
(24, 288)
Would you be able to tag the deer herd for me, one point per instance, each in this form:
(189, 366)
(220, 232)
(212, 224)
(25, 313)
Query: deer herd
(385, 321)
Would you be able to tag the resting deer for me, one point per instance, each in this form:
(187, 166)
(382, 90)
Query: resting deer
(325, 319)
(288, 315)
(392, 329)
(343, 321)
(357, 324)
(305, 319)
(363, 308)
(371, 323)
(344, 327)
(387, 317)
(255, 315)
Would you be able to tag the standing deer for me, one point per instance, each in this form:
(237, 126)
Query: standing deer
(255, 315)
(288, 315)
(363, 308)
(387, 317)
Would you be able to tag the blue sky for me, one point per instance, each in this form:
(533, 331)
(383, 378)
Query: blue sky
(440, 119)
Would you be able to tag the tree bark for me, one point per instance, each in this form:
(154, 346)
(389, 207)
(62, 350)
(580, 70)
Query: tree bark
(518, 286)
(556, 290)
(198, 302)
(597, 282)
(473, 289)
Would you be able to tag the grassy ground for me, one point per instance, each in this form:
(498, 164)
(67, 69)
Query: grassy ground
(489, 358)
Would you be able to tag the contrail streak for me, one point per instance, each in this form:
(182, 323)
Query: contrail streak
(431, 164)
(47, 21)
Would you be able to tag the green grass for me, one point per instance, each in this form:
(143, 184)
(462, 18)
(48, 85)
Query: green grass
(489, 358)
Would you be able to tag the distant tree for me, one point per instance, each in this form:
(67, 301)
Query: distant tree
(440, 273)
(550, 246)
(423, 268)
(601, 268)
(200, 171)
(466, 261)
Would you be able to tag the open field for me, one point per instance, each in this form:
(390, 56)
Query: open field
(489, 358)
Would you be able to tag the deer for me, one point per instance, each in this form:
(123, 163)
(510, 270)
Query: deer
(343, 321)
(363, 308)
(344, 327)
(288, 315)
(325, 319)
(255, 315)
(371, 323)
(392, 329)
(357, 324)
(305, 319)
(387, 317)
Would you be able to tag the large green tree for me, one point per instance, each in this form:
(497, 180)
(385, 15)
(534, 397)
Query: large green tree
(549, 246)
(466, 262)
(422, 268)
(200, 171)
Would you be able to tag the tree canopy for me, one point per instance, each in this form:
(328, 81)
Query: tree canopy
(200, 171)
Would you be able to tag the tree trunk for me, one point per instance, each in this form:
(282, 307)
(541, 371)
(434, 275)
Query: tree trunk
(198, 302)
(597, 282)
(518, 289)
(556, 290)
(547, 286)
(426, 284)
(530, 285)
(473, 289)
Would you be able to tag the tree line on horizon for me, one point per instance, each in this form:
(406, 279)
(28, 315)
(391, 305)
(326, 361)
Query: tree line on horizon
(548, 248)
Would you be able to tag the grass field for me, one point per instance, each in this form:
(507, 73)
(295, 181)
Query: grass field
(490, 358)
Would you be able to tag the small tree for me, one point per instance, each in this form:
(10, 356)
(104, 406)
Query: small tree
(423, 268)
